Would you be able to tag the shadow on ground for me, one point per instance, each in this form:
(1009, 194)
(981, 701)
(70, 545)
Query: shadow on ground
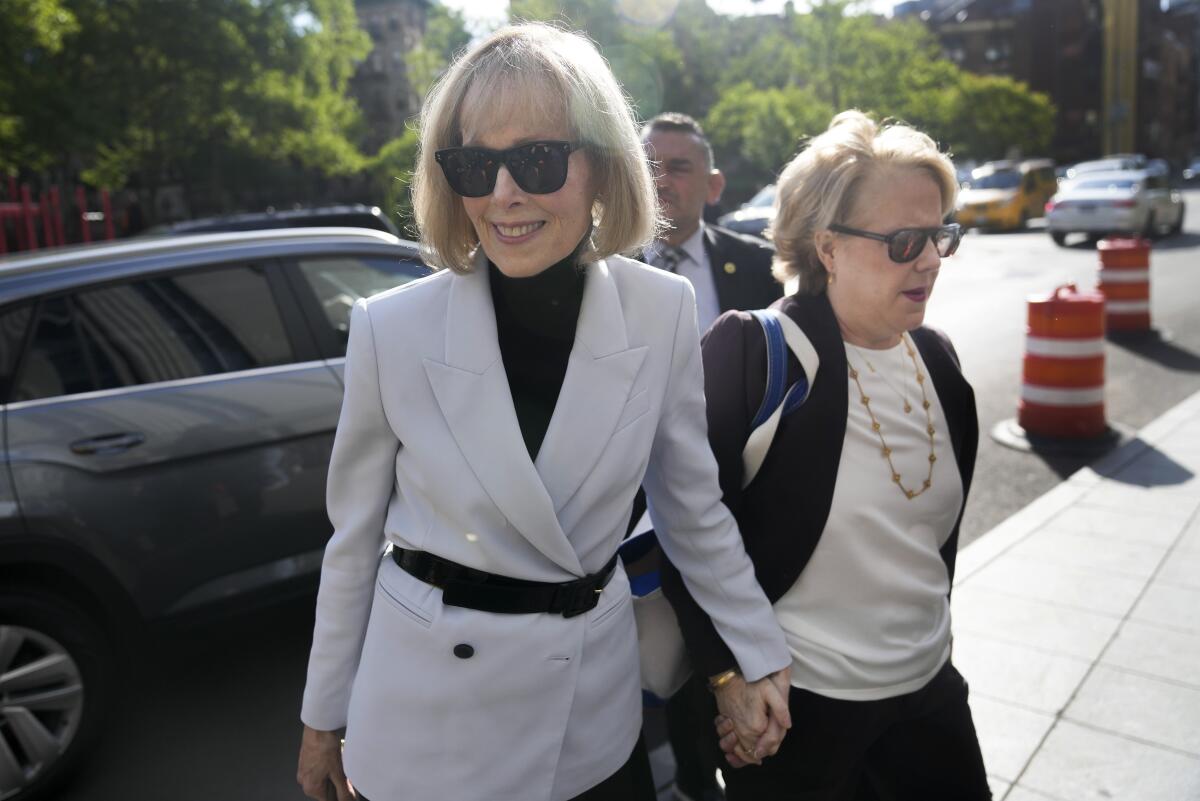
(1153, 345)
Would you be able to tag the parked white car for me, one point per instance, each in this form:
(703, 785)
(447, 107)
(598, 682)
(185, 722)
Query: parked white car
(1115, 202)
(1113, 163)
(754, 215)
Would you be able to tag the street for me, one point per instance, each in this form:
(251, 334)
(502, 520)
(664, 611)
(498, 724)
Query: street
(211, 710)
(980, 302)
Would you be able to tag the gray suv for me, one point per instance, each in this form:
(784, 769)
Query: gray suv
(168, 412)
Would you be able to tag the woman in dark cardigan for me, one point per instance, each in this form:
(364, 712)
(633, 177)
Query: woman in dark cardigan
(852, 521)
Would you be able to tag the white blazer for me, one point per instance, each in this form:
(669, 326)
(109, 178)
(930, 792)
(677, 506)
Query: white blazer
(429, 456)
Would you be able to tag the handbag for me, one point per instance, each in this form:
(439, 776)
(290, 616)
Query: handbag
(662, 655)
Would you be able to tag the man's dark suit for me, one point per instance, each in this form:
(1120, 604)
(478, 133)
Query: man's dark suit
(741, 268)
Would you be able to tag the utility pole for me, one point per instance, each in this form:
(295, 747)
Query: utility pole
(1120, 75)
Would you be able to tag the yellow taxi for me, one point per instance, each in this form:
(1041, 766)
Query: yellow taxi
(1005, 195)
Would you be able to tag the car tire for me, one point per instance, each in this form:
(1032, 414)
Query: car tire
(1150, 229)
(1178, 226)
(50, 719)
(1059, 237)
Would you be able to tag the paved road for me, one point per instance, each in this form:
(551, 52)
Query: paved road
(212, 711)
(980, 301)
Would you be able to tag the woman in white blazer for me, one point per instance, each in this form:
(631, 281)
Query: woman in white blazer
(474, 631)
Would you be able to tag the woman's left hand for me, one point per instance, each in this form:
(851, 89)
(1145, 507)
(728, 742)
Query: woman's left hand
(757, 717)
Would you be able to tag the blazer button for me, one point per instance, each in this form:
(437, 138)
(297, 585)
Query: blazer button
(464, 651)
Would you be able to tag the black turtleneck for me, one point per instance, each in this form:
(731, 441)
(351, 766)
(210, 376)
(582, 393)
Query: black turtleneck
(535, 324)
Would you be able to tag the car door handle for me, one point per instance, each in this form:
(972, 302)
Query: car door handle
(107, 444)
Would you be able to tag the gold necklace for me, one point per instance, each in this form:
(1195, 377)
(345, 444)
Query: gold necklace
(884, 449)
(902, 394)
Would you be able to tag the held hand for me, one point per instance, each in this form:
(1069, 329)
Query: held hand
(320, 771)
(758, 715)
(729, 742)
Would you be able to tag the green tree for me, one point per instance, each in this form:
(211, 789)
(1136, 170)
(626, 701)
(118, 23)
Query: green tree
(755, 131)
(177, 90)
(892, 69)
(32, 33)
(996, 115)
(389, 174)
(445, 35)
(644, 58)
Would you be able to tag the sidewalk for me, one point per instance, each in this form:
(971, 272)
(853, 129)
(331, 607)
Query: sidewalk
(1077, 626)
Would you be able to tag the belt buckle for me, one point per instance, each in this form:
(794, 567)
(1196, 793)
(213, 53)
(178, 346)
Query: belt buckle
(580, 599)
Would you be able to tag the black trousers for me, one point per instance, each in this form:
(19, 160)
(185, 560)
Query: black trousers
(631, 782)
(916, 747)
(689, 716)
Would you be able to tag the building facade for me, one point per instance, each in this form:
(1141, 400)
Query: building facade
(1122, 73)
(381, 84)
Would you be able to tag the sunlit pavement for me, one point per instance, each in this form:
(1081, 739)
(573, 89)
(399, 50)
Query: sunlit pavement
(1077, 627)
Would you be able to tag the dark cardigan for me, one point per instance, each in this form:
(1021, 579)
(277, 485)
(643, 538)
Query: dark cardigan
(782, 513)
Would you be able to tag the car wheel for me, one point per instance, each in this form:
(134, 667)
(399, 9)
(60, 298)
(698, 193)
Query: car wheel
(1059, 237)
(1178, 226)
(1150, 230)
(56, 679)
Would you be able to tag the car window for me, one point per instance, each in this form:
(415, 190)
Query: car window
(997, 180)
(158, 329)
(339, 281)
(14, 321)
(1105, 184)
(764, 197)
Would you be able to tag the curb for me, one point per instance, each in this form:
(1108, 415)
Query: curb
(992, 544)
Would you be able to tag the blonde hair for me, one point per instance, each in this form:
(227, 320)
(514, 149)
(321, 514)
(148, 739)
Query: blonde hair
(535, 71)
(819, 187)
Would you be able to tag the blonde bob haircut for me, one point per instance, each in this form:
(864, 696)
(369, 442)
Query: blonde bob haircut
(535, 71)
(819, 187)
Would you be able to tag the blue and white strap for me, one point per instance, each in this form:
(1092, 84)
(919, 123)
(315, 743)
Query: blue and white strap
(782, 334)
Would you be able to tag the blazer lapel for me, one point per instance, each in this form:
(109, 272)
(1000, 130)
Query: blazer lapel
(472, 391)
(726, 283)
(600, 373)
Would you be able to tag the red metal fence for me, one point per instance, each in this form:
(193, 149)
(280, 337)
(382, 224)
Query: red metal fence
(26, 224)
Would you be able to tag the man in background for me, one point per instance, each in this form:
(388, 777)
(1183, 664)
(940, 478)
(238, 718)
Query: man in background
(728, 271)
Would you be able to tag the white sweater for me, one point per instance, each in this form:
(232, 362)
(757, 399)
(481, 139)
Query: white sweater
(869, 617)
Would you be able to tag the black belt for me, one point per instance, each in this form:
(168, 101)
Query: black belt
(477, 589)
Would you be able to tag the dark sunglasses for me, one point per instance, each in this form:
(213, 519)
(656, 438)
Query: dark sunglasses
(539, 168)
(907, 244)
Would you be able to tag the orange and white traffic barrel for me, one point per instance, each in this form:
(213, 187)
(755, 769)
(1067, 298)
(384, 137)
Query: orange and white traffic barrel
(1125, 282)
(1062, 393)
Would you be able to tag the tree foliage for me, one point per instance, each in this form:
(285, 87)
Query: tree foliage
(445, 35)
(158, 88)
(995, 115)
(32, 32)
(389, 173)
(762, 84)
(754, 131)
(229, 93)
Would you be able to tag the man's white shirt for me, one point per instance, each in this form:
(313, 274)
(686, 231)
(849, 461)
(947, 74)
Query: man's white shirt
(697, 269)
